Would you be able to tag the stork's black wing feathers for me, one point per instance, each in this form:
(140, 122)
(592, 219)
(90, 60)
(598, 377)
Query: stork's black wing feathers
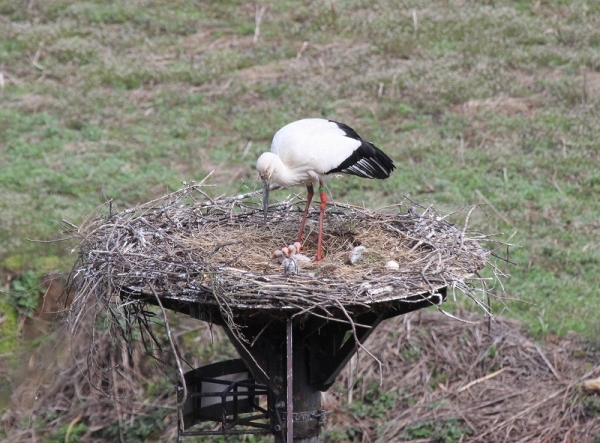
(367, 161)
(347, 130)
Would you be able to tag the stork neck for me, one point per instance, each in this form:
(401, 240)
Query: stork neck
(286, 176)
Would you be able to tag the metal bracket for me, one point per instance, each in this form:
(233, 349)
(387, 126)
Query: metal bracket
(224, 393)
(307, 416)
(321, 415)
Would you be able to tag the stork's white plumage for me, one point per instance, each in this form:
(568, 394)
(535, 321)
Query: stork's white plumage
(308, 151)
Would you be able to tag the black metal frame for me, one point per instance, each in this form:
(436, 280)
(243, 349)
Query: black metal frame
(230, 396)
(308, 363)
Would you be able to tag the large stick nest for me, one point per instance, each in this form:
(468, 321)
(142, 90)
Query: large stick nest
(189, 246)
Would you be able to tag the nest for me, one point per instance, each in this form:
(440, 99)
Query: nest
(188, 246)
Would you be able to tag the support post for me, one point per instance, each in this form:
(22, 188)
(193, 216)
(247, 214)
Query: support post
(302, 421)
(314, 348)
(290, 380)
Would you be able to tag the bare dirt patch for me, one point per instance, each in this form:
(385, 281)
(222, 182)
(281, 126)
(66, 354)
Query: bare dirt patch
(501, 104)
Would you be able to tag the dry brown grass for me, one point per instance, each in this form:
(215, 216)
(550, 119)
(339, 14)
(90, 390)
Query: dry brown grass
(489, 382)
(496, 383)
(501, 104)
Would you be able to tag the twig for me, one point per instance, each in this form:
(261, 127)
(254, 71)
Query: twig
(206, 178)
(359, 344)
(175, 353)
(261, 332)
(4, 74)
(479, 380)
(493, 208)
(116, 395)
(302, 49)
(539, 351)
(34, 60)
(70, 427)
(415, 21)
(462, 234)
(515, 416)
(258, 16)
(222, 245)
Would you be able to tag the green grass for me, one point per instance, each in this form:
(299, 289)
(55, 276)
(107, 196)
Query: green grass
(124, 100)
(476, 101)
(448, 431)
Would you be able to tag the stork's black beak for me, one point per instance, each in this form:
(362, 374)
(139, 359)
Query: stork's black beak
(265, 198)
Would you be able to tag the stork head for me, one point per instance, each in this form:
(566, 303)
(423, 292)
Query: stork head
(278, 256)
(265, 165)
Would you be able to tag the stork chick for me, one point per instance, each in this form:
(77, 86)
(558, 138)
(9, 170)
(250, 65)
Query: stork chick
(294, 252)
(279, 256)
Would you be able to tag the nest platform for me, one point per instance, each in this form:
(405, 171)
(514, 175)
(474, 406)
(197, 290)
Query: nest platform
(189, 247)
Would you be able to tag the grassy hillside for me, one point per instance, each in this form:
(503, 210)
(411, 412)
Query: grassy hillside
(478, 102)
(491, 102)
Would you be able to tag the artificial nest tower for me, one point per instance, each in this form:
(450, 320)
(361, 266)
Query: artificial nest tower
(211, 259)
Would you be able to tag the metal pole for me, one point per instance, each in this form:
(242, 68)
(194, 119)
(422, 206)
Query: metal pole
(303, 400)
(290, 382)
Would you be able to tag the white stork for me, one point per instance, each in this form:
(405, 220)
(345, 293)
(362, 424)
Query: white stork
(307, 151)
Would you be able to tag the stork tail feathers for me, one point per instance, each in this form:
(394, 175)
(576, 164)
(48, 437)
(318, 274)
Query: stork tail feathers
(367, 161)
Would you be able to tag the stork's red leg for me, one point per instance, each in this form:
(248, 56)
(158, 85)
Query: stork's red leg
(321, 219)
(309, 197)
